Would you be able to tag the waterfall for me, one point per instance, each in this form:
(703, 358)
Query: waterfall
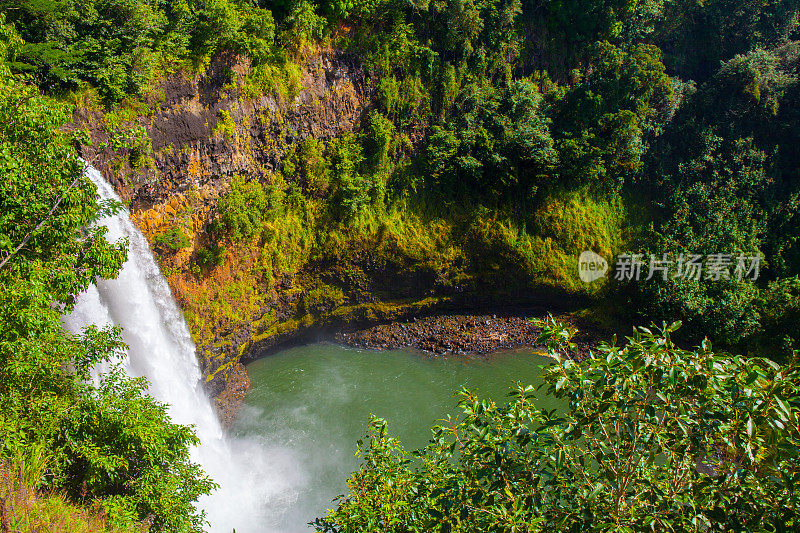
(257, 481)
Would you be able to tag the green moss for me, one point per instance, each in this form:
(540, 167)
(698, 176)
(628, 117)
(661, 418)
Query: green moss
(277, 75)
(579, 221)
(386, 310)
(290, 325)
(225, 126)
(221, 370)
(322, 297)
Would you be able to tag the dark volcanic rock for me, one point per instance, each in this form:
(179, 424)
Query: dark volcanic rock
(459, 334)
(188, 148)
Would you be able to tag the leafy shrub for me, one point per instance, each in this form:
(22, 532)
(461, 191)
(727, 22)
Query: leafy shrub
(339, 9)
(497, 147)
(307, 23)
(380, 135)
(244, 208)
(225, 125)
(275, 74)
(601, 121)
(137, 449)
(173, 239)
(308, 164)
(648, 437)
(350, 194)
(212, 256)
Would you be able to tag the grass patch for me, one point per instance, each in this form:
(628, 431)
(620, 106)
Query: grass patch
(24, 509)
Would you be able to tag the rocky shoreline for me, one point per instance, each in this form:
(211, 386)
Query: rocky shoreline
(463, 334)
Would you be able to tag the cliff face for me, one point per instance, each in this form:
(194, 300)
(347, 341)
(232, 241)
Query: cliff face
(204, 131)
(309, 266)
(200, 132)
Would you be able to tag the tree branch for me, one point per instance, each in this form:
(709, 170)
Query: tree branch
(45, 220)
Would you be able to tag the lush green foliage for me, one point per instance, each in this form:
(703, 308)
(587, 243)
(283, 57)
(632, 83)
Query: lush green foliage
(119, 46)
(497, 147)
(503, 139)
(211, 256)
(110, 443)
(174, 239)
(649, 437)
(725, 175)
(244, 209)
(702, 152)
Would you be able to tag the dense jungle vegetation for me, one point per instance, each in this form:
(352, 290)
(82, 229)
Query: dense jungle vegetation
(544, 127)
(663, 127)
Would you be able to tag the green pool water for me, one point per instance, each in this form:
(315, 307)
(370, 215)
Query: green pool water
(309, 405)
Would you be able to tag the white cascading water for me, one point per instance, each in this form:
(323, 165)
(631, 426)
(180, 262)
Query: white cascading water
(258, 482)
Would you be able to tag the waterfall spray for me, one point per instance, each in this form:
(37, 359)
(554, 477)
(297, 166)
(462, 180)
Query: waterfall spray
(257, 481)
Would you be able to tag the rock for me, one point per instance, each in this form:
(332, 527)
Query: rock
(460, 334)
(187, 152)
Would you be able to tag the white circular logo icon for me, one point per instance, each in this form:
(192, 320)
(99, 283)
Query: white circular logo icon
(591, 266)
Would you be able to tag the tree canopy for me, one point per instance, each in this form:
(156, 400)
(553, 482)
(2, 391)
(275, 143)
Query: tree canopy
(111, 443)
(647, 437)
